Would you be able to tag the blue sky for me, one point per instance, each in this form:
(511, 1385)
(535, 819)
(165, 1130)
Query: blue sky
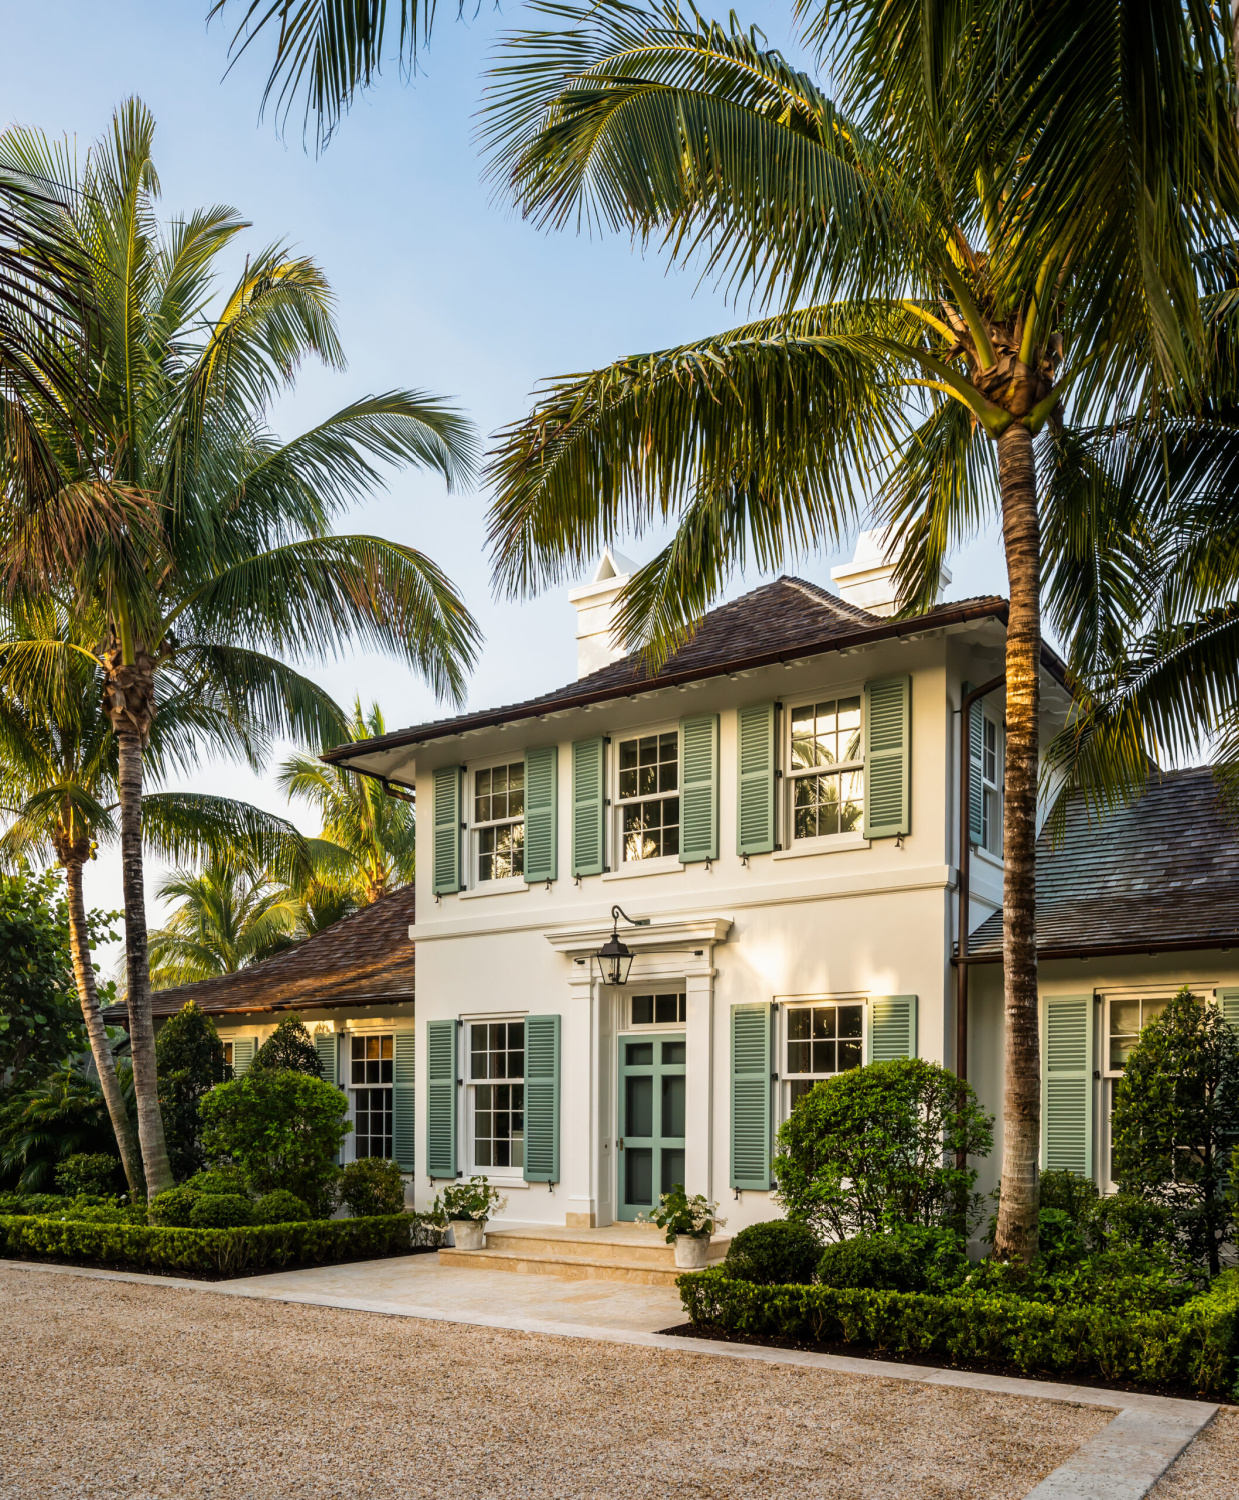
(438, 287)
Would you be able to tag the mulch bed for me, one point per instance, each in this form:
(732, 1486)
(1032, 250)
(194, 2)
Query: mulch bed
(128, 1268)
(932, 1361)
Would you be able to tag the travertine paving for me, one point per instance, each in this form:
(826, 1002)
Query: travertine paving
(113, 1389)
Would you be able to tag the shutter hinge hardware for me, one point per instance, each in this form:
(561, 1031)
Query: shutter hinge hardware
(899, 837)
(709, 864)
(438, 899)
(744, 861)
(576, 880)
(548, 882)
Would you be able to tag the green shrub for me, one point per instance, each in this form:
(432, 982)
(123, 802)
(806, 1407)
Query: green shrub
(289, 1049)
(219, 1180)
(282, 1130)
(1194, 1345)
(1072, 1194)
(189, 1058)
(877, 1145)
(905, 1258)
(1123, 1221)
(105, 1213)
(221, 1211)
(90, 1172)
(780, 1252)
(1060, 1242)
(32, 1203)
(281, 1207)
(372, 1186)
(173, 1208)
(43, 1125)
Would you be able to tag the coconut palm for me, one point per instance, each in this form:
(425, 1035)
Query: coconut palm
(947, 249)
(230, 915)
(237, 566)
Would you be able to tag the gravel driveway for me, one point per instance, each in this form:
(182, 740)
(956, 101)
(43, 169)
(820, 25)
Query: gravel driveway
(1209, 1470)
(111, 1389)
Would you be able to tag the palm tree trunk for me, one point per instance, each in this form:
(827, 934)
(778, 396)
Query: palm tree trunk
(137, 965)
(84, 970)
(1016, 1237)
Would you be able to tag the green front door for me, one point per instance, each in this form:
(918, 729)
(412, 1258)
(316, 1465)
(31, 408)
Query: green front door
(651, 1120)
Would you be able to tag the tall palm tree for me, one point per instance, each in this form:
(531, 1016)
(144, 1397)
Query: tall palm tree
(58, 789)
(236, 565)
(230, 915)
(959, 239)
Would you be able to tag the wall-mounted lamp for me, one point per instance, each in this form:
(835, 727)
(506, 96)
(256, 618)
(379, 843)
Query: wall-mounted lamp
(614, 957)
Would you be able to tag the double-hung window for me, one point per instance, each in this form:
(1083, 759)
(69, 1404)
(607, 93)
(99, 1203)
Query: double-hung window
(648, 796)
(370, 1089)
(821, 1039)
(497, 1086)
(499, 821)
(1125, 1019)
(991, 785)
(826, 773)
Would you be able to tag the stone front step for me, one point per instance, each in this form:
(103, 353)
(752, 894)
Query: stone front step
(622, 1252)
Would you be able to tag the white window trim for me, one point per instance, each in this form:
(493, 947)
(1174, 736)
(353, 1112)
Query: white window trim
(476, 886)
(508, 886)
(493, 1175)
(1141, 992)
(784, 1003)
(830, 843)
(344, 1065)
(615, 825)
(630, 1028)
(824, 843)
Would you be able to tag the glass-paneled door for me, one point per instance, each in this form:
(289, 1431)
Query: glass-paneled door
(650, 1157)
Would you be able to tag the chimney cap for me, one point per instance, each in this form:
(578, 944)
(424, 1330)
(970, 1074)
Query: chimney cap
(869, 579)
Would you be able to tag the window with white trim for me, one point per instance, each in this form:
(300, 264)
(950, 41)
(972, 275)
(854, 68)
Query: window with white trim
(499, 821)
(991, 785)
(826, 768)
(658, 1010)
(821, 1039)
(370, 1094)
(497, 1094)
(1126, 1018)
(648, 796)
(227, 1054)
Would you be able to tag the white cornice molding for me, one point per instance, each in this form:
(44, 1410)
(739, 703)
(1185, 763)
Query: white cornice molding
(658, 937)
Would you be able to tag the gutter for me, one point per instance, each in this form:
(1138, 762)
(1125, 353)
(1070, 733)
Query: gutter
(119, 1015)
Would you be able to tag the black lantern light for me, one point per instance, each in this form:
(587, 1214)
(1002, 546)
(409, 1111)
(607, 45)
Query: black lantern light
(614, 957)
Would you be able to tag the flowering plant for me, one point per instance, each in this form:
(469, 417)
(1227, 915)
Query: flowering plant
(475, 1199)
(677, 1213)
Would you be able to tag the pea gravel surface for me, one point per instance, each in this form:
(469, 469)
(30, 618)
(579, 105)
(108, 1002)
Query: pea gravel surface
(114, 1389)
(1209, 1470)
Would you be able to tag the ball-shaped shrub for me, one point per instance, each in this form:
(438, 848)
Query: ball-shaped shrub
(281, 1207)
(372, 1186)
(221, 1211)
(96, 1173)
(172, 1208)
(781, 1252)
(876, 1262)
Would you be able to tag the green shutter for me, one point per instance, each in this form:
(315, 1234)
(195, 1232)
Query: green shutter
(242, 1054)
(892, 1027)
(888, 745)
(1228, 1004)
(447, 831)
(1067, 1084)
(750, 1096)
(698, 789)
(403, 1098)
(587, 807)
(542, 1099)
(975, 733)
(541, 814)
(441, 1098)
(325, 1046)
(756, 757)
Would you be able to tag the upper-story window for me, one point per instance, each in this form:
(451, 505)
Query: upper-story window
(648, 796)
(826, 773)
(499, 820)
(991, 785)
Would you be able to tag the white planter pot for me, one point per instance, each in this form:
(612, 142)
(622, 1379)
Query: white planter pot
(691, 1251)
(469, 1234)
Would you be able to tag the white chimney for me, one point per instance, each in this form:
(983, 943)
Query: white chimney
(595, 612)
(869, 579)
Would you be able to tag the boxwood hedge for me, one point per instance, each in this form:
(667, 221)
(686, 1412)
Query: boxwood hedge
(1194, 1346)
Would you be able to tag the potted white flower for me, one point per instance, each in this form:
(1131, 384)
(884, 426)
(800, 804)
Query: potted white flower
(689, 1223)
(465, 1207)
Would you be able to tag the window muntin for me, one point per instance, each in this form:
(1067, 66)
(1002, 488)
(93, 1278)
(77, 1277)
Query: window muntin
(826, 770)
(822, 1040)
(991, 786)
(499, 820)
(659, 1010)
(370, 1080)
(648, 796)
(1127, 1017)
(497, 1086)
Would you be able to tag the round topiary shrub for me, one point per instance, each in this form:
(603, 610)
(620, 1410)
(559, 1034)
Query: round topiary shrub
(221, 1211)
(875, 1262)
(781, 1252)
(96, 1173)
(372, 1186)
(172, 1208)
(281, 1207)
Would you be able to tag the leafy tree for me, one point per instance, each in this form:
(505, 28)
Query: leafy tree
(190, 1059)
(372, 1186)
(229, 559)
(40, 1025)
(937, 279)
(284, 1130)
(877, 1145)
(289, 1049)
(40, 1127)
(1176, 1123)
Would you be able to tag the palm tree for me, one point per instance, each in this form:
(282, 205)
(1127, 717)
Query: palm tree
(367, 844)
(946, 250)
(229, 916)
(236, 564)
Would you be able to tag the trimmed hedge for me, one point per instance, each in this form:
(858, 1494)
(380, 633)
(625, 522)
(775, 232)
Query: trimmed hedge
(1193, 1346)
(223, 1252)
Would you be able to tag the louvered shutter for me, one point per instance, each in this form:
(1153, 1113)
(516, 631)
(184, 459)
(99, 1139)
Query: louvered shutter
(587, 807)
(1067, 1084)
(242, 1054)
(542, 1099)
(750, 1095)
(755, 811)
(325, 1045)
(698, 789)
(447, 831)
(403, 1098)
(888, 745)
(976, 791)
(892, 1027)
(541, 814)
(441, 1099)
(1228, 1004)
